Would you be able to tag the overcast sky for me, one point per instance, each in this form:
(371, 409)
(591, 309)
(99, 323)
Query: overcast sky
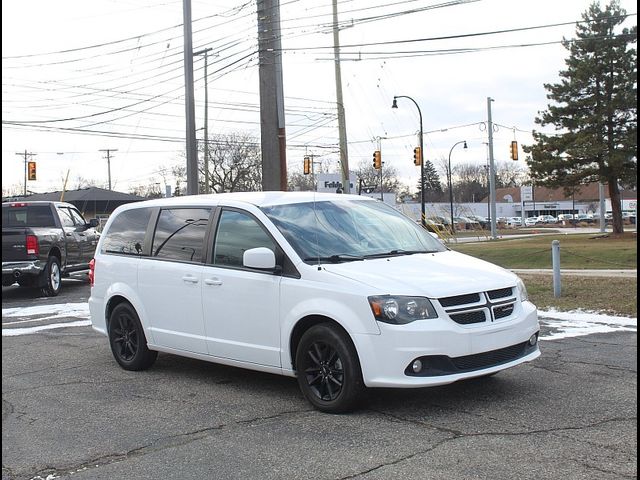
(79, 77)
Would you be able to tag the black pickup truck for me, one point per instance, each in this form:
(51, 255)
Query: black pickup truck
(43, 242)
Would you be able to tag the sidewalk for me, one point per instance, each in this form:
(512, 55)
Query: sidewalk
(578, 272)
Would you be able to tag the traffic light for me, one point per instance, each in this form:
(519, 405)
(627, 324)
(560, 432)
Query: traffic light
(377, 160)
(31, 168)
(307, 165)
(514, 150)
(417, 156)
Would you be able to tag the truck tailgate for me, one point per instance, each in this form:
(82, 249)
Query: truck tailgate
(14, 245)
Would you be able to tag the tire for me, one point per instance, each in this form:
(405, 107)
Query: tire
(127, 340)
(51, 278)
(329, 373)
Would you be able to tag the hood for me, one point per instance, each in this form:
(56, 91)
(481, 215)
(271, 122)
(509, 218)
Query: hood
(433, 275)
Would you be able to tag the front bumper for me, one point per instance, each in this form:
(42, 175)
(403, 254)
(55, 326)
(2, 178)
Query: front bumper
(452, 352)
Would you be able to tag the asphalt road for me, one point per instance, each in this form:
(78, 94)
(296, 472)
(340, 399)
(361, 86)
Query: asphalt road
(68, 411)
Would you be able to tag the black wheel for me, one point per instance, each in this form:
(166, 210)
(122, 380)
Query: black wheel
(328, 369)
(51, 280)
(127, 340)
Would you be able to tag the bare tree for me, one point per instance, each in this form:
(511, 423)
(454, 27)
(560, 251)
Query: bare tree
(371, 177)
(235, 163)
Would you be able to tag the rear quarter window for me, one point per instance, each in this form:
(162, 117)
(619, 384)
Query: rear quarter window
(126, 233)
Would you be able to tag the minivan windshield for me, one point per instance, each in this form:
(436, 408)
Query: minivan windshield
(349, 230)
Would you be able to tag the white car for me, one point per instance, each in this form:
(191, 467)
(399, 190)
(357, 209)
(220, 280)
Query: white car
(531, 221)
(342, 292)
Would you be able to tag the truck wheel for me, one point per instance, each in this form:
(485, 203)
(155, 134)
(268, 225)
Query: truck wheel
(51, 278)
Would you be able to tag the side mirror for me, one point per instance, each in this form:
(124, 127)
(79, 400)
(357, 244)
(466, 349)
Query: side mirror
(94, 222)
(260, 258)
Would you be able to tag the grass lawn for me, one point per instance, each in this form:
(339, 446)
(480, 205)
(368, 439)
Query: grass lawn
(616, 296)
(589, 251)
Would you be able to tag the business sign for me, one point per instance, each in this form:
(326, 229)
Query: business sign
(526, 193)
(332, 182)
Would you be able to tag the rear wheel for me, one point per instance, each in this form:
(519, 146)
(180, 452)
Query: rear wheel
(51, 280)
(127, 340)
(328, 369)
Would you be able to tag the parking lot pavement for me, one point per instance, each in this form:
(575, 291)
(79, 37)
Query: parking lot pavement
(68, 411)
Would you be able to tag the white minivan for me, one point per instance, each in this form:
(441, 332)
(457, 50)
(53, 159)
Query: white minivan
(341, 291)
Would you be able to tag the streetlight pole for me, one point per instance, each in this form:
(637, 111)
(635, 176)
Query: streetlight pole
(453, 228)
(422, 209)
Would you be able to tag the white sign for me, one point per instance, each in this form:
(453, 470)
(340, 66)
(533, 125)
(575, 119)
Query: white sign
(526, 193)
(331, 182)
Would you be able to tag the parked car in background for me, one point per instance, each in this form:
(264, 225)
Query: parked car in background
(44, 241)
(530, 221)
(547, 219)
(466, 223)
(341, 291)
(514, 222)
(483, 221)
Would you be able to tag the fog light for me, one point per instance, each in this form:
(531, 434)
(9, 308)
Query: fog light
(416, 366)
(533, 339)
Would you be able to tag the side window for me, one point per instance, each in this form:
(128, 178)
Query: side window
(77, 217)
(180, 234)
(238, 232)
(65, 217)
(127, 231)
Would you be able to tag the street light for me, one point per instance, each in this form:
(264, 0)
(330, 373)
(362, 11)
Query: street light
(395, 105)
(453, 228)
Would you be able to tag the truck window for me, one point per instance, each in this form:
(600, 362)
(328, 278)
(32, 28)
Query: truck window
(27, 216)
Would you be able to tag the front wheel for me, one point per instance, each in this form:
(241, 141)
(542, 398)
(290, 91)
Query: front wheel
(51, 280)
(127, 340)
(328, 369)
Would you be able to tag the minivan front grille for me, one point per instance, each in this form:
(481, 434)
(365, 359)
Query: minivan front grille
(501, 293)
(488, 359)
(481, 307)
(460, 300)
(467, 318)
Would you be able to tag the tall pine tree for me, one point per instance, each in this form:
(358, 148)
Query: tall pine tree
(594, 110)
(432, 187)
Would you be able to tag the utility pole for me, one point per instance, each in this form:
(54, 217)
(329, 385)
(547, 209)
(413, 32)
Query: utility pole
(190, 114)
(342, 129)
(25, 154)
(109, 150)
(492, 172)
(272, 121)
(381, 164)
(206, 120)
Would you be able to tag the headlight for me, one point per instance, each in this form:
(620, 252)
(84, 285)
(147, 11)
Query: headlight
(400, 310)
(522, 290)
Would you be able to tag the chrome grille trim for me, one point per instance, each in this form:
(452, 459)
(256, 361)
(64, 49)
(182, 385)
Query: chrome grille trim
(482, 307)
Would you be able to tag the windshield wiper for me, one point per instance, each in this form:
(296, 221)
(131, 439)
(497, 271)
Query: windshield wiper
(343, 257)
(393, 253)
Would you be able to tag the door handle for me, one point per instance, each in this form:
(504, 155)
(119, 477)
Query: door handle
(190, 279)
(212, 281)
